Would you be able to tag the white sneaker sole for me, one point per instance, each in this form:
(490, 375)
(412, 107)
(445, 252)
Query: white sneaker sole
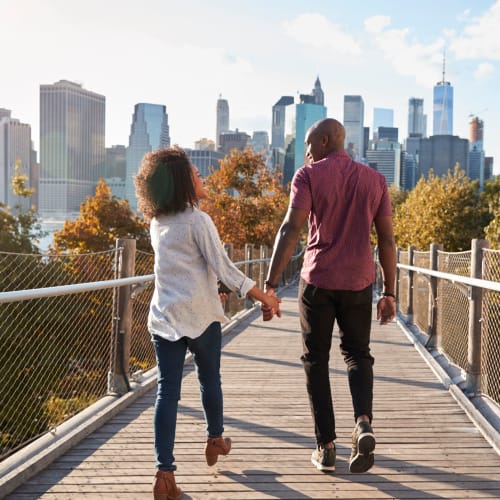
(320, 466)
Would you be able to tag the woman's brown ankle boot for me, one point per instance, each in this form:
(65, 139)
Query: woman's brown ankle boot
(215, 447)
(164, 487)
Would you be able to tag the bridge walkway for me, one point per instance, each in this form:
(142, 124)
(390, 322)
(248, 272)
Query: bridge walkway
(427, 448)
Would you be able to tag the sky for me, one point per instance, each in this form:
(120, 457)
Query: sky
(184, 54)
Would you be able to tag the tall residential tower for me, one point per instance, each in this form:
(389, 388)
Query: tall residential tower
(15, 146)
(417, 121)
(72, 150)
(222, 124)
(354, 110)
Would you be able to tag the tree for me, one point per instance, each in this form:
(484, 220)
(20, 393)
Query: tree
(19, 230)
(103, 219)
(398, 197)
(491, 195)
(447, 210)
(246, 201)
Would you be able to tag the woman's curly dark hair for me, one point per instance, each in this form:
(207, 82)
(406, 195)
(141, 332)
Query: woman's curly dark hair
(164, 183)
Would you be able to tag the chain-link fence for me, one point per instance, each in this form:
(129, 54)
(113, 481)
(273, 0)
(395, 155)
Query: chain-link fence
(421, 292)
(55, 351)
(453, 306)
(490, 341)
(443, 310)
(403, 283)
(142, 355)
(60, 354)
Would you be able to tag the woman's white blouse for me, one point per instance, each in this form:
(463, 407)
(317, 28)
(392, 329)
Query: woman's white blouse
(189, 257)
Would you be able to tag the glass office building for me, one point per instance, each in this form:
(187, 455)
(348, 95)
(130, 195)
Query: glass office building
(443, 109)
(149, 131)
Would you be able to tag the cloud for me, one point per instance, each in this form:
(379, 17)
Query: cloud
(464, 16)
(479, 39)
(317, 31)
(408, 58)
(376, 24)
(484, 70)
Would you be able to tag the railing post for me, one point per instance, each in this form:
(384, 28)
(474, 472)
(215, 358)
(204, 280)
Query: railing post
(473, 377)
(248, 270)
(262, 265)
(398, 277)
(432, 314)
(229, 248)
(409, 309)
(122, 319)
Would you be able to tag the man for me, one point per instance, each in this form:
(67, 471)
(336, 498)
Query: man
(341, 200)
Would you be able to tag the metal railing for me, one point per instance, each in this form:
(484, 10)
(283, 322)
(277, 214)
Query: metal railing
(454, 299)
(73, 329)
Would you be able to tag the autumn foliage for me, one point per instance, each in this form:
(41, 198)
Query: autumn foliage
(447, 210)
(103, 219)
(247, 202)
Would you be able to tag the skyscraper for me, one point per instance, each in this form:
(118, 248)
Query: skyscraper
(382, 117)
(72, 150)
(317, 92)
(442, 153)
(417, 121)
(309, 110)
(443, 107)
(385, 157)
(476, 166)
(149, 131)
(354, 110)
(476, 132)
(260, 142)
(233, 139)
(222, 120)
(281, 124)
(15, 144)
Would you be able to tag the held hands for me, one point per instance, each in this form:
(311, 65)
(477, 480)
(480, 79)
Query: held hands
(386, 309)
(271, 305)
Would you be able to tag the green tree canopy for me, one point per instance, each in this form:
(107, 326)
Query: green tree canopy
(103, 219)
(19, 230)
(447, 210)
(491, 196)
(246, 201)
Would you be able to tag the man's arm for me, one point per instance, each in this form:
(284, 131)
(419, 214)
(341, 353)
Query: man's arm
(386, 308)
(285, 242)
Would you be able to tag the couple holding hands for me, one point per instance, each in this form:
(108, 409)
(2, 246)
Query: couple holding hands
(341, 200)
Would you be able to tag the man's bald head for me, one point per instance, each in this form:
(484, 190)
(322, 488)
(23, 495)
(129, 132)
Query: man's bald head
(324, 137)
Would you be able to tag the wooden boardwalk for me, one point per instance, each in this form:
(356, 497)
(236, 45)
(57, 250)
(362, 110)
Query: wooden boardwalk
(427, 448)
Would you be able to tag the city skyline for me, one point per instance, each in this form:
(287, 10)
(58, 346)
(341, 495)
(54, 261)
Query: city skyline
(159, 52)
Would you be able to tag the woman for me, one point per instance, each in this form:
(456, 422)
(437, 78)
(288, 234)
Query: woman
(185, 311)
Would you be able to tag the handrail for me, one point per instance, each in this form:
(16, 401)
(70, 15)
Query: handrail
(54, 291)
(454, 278)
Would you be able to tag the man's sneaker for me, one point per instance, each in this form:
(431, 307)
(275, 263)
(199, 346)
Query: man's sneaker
(363, 444)
(215, 447)
(324, 458)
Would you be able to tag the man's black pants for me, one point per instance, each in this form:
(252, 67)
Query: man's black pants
(319, 308)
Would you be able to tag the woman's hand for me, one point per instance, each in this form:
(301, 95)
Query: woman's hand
(270, 305)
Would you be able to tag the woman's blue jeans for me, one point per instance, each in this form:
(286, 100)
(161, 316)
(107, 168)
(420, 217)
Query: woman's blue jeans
(206, 350)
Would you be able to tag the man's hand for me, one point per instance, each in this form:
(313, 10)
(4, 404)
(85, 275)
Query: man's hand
(386, 309)
(267, 311)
